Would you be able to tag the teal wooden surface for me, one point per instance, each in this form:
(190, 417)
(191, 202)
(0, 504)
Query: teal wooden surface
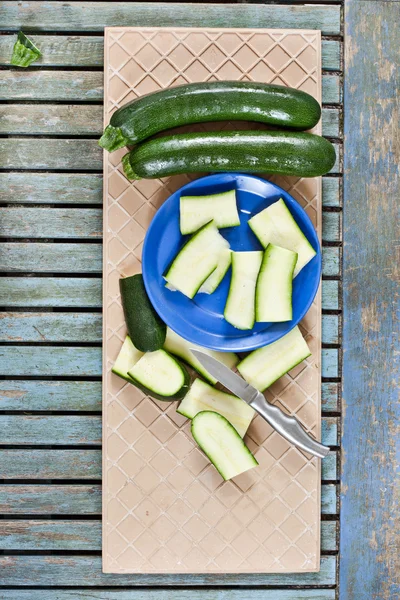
(78, 16)
(86, 499)
(242, 594)
(370, 531)
(47, 210)
(81, 570)
(82, 464)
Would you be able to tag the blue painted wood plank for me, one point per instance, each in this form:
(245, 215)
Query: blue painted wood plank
(81, 16)
(83, 361)
(86, 571)
(370, 529)
(151, 594)
(83, 464)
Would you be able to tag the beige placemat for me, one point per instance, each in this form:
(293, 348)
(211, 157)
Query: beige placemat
(165, 507)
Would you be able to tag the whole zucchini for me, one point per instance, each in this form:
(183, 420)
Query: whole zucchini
(212, 101)
(283, 153)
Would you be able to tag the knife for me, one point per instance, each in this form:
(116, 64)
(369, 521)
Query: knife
(289, 427)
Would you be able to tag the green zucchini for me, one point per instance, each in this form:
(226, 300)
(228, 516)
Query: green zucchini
(240, 305)
(127, 358)
(196, 211)
(274, 285)
(203, 396)
(145, 328)
(160, 375)
(177, 345)
(210, 101)
(275, 152)
(196, 260)
(264, 366)
(222, 444)
(213, 280)
(24, 52)
(276, 225)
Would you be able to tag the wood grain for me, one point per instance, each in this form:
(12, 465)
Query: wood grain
(370, 529)
(86, 571)
(83, 464)
(80, 16)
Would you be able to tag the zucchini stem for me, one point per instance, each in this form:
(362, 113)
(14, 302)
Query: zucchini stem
(128, 171)
(113, 139)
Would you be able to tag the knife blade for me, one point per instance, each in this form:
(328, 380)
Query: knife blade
(288, 426)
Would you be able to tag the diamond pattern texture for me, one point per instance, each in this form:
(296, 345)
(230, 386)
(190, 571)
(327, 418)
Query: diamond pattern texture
(165, 508)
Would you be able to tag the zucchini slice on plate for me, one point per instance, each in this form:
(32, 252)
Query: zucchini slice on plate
(145, 328)
(275, 225)
(161, 376)
(177, 345)
(274, 285)
(222, 444)
(127, 358)
(196, 211)
(213, 281)
(196, 260)
(240, 305)
(202, 396)
(264, 366)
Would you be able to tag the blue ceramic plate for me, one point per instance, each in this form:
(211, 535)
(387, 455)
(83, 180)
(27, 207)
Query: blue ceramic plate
(201, 320)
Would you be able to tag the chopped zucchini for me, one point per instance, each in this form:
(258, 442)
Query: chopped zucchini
(161, 376)
(127, 358)
(240, 305)
(275, 225)
(203, 396)
(196, 211)
(177, 345)
(264, 366)
(213, 281)
(222, 444)
(274, 285)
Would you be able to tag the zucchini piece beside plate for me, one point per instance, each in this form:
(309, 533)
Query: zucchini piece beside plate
(195, 262)
(160, 375)
(240, 305)
(274, 285)
(127, 358)
(196, 211)
(276, 225)
(203, 396)
(177, 345)
(264, 366)
(222, 444)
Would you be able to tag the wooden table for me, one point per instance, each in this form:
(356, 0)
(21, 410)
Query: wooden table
(50, 256)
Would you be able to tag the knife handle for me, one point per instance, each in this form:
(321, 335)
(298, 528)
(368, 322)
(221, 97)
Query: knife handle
(289, 427)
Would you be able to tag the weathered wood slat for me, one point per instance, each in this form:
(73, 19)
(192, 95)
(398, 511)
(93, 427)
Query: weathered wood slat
(86, 535)
(331, 227)
(66, 154)
(85, 292)
(87, 86)
(370, 531)
(86, 327)
(86, 499)
(68, 223)
(86, 571)
(78, 361)
(71, 119)
(73, 188)
(84, 430)
(87, 258)
(67, 188)
(87, 51)
(152, 594)
(80, 16)
(85, 395)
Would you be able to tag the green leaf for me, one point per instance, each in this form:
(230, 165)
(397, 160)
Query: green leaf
(24, 51)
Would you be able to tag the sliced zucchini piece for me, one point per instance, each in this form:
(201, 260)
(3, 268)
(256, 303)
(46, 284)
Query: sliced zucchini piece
(265, 365)
(196, 211)
(177, 345)
(127, 358)
(222, 444)
(240, 305)
(274, 285)
(203, 396)
(196, 260)
(213, 281)
(161, 376)
(275, 225)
